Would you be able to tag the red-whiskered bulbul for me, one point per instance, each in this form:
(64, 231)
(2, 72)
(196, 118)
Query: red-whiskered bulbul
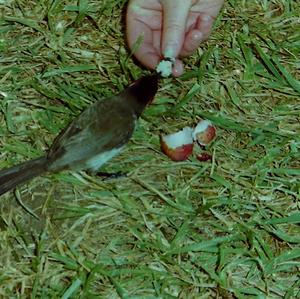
(94, 137)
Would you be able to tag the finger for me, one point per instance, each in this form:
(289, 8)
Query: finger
(178, 68)
(148, 58)
(175, 14)
(136, 5)
(145, 24)
(205, 24)
(156, 40)
(150, 16)
(145, 52)
(191, 43)
(197, 35)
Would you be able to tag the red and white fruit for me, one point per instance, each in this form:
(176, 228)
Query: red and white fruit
(204, 132)
(178, 146)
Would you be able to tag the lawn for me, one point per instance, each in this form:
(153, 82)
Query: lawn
(225, 228)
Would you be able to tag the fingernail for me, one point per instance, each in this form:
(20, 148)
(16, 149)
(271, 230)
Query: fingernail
(197, 35)
(178, 68)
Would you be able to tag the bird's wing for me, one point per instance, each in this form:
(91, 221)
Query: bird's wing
(101, 127)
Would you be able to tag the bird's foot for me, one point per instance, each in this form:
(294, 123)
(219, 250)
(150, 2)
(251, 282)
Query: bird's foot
(111, 175)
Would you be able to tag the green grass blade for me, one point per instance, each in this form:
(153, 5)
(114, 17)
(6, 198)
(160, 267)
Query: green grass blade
(68, 70)
(268, 63)
(73, 288)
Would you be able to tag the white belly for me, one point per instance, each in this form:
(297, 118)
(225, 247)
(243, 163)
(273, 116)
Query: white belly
(96, 162)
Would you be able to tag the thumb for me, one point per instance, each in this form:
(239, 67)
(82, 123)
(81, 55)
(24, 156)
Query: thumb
(175, 13)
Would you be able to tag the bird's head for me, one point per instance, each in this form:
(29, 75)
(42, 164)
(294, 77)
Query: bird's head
(143, 90)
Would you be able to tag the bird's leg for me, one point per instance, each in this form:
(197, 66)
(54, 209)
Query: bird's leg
(111, 175)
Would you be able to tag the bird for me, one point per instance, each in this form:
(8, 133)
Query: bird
(98, 134)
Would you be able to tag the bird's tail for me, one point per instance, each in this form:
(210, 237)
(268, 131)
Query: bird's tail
(11, 177)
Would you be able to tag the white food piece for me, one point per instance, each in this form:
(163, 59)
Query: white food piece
(165, 67)
(201, 127)
(180, 138)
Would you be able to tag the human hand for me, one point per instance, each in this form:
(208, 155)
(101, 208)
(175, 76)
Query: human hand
(169, 28)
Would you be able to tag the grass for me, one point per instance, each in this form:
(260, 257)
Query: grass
(222, 229)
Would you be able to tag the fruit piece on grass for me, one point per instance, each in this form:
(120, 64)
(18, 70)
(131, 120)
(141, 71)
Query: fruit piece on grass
(178, 146)
(203, 157)
(204, 132)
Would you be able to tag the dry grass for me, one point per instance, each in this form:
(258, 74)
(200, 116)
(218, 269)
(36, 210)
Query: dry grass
(225, 229)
